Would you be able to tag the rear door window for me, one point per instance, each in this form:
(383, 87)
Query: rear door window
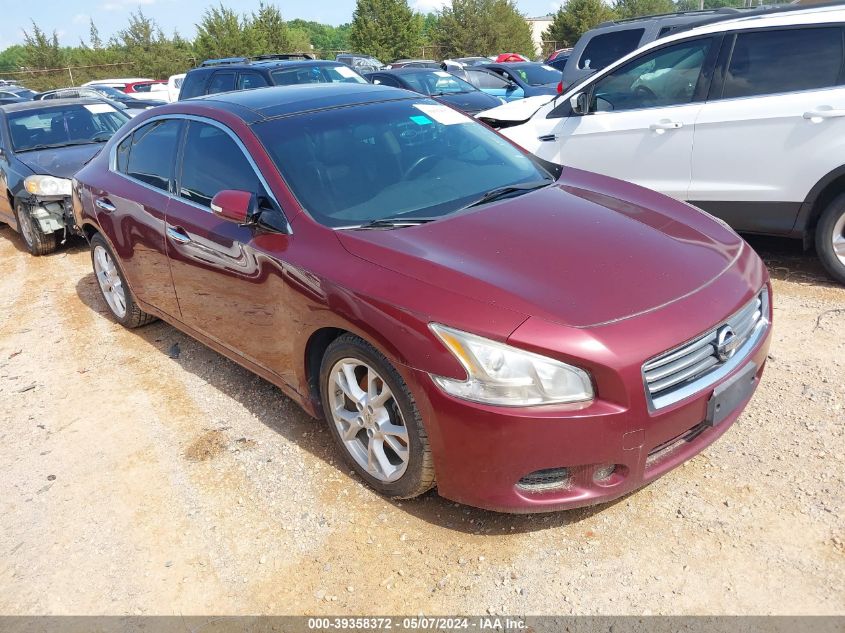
(221, 82)
(150, 155)
(249, 81)
(606, 48)
(785, 60)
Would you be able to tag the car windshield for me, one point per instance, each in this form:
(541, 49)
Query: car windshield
(75, 124)
(408, 159)
(536, 74)
(436, 83)
(108, 91)
(316, 74)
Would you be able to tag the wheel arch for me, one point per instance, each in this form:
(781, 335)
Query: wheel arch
(825, 190)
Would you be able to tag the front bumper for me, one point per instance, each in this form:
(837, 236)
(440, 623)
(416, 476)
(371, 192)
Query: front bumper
(482, 453)
(53, 213)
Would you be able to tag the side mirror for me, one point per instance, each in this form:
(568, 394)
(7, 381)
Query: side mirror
(235, 206)
(580, 103)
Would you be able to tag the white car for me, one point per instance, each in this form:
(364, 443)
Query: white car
(174, 85)
(119, 83)
(743, 118)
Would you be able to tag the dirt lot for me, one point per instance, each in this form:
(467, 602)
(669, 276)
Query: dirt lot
(141, 472)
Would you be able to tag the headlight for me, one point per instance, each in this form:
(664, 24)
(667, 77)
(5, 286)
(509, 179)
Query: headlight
(47, 186)
(502, 375)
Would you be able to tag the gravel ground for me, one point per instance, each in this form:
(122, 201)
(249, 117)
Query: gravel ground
(143, 473)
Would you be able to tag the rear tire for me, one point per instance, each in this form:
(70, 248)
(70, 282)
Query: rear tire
(113, 287)
(374, 419)
(830, 238)
(37, 241)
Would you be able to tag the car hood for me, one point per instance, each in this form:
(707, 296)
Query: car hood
(575, 252)
(62, 162)
(471, 102)
(516, 111)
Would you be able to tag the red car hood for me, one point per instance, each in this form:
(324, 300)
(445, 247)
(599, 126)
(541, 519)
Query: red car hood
(575, 252)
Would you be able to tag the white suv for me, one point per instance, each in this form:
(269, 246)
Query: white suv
(743, 118)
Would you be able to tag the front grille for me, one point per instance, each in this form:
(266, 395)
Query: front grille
(682, 371)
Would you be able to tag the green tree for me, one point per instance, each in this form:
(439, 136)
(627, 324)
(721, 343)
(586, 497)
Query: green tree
(268, 33)
(575, 18)
(42, 50)
(221, 33)
(12, 58)
(94, 36)
(635, 8)
(326, 39)
(385, 29)
(482, 27)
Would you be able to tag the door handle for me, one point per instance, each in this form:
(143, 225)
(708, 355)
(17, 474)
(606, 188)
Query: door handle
(105, 205)
(547, 137)
(823, 112)
(178, 234)
(665, 124)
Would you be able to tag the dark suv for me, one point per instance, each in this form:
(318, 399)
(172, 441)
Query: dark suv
(242, 73)
(613, 40)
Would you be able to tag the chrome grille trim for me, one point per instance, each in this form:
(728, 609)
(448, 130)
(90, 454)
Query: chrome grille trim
(695, 366)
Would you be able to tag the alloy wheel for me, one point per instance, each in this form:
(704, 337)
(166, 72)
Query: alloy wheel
(368, 419)
(838, 238)
(110, 282)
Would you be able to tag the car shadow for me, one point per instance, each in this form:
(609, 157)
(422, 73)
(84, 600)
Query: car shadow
(787, 260)
(276, 411)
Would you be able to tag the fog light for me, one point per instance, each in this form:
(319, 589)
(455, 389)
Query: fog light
(603, 472)
(547, 479)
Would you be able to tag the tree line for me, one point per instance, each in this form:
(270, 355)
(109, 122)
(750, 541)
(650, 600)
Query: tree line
(386, 29)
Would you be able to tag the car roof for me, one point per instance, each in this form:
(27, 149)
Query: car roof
(269, 64)
(46, 105)
(280, 101)
(407, 71)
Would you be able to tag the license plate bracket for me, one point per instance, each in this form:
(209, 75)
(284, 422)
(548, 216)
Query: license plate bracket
(730, 394)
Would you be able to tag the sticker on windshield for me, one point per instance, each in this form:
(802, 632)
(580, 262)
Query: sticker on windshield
(344, 71)
(442, 114)
(442, 73)
(421, 120)
(98, 108)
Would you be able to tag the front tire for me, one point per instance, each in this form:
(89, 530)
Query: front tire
(830, 238)
(373, 418)
(37, 241)
(113, 286)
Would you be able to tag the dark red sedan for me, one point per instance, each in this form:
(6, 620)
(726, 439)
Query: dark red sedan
(522, 336)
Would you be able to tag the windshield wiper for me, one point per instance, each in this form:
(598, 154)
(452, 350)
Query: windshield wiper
(394, 223)
(36, 148)
(501, 192)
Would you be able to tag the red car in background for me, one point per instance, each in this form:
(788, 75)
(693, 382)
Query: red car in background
(524, 337)
(511, 57)
(144, 87)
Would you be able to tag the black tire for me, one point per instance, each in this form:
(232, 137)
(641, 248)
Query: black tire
(134, 317)
(831, 222)
(419, 473)
(37, 241)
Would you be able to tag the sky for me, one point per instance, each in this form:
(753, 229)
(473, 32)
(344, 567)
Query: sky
(69, 18)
